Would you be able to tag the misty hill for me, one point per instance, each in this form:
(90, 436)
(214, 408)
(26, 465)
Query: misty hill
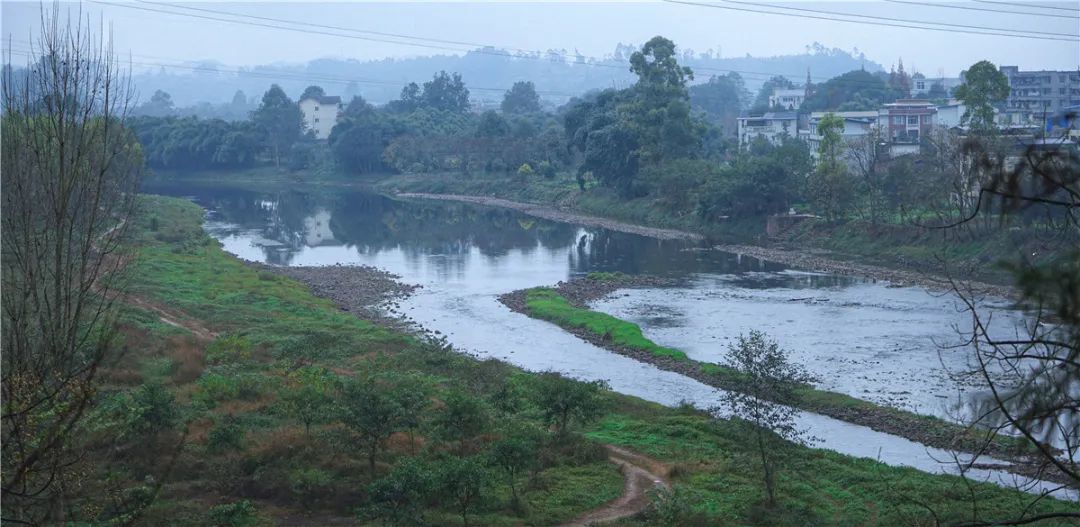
(488, 72)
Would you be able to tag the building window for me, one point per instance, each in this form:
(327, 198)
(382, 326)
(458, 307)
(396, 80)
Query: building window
(316, 120)
(899, 119)
(913, 119)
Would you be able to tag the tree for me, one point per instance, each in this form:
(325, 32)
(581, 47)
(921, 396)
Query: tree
(445, 92)
(280, 120)
(463, 480)
(313, 92)
(462, 418)
(371, 412)
(413, 395)
(307, 395)
(565, 402)
(492, 125)
(71, 173)
(828, 187)
(513, 455)
(657, 67)
(868, 154)
(984, 86)
(401, 496)
(854, 90)
(765, 397)
(159, 105)
(721, 98)
(521, 98)
(900, 81)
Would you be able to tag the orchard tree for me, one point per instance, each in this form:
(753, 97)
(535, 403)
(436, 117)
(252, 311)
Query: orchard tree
(764, 397)
(565, 401)
(371, 412)
(984, 86)
(521, 98)
(513, 455)
(280, 120)
(308, 395)
(401, 496)
(464, 480)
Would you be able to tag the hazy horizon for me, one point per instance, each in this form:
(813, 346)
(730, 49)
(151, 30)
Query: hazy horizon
(593, 29)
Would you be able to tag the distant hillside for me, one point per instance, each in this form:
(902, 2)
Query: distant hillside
(558, 75)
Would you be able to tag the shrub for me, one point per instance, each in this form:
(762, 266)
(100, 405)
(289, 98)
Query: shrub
(238, 514)
(227, 434)
(228, 349)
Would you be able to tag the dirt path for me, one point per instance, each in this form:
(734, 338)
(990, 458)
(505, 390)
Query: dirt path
(172, 317)
(641, 475)
(555, 214)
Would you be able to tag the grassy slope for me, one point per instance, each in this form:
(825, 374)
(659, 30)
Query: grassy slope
(284, 325)
(278, 326)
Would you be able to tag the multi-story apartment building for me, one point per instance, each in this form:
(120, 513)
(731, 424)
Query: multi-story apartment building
(320, 113)
(1036, 95)
(907, 120)
(772, 126)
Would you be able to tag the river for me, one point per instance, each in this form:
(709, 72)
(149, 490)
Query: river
(858, 336)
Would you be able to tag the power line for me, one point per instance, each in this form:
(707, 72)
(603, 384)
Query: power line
(715, 6)
(595, 62)
(1024, 4)
(891, 19)
(969, 8)
(484, 49)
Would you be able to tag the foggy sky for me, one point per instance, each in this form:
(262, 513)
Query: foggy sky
(592, 28)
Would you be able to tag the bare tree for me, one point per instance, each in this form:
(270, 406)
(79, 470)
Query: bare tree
(867, 154)
(765, 395)
(70, 176)
(1031, 376)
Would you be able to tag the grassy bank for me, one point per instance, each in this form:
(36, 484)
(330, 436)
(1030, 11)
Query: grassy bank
(620, 335)
(244, 441)
(246, 459)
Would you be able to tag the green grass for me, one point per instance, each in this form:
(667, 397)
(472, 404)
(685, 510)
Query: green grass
(546, 304)
(268, 326)
(716, 470)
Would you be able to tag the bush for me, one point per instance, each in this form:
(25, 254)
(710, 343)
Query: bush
(309, 483)
(226, 434)
(238, 514)
(228, 349)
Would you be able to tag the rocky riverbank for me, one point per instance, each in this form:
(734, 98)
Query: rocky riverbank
(371, 293)
(823, 262)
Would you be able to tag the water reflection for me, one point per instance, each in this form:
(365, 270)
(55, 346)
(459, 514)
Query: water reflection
(322, 227)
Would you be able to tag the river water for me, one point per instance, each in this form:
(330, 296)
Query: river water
(857, 336)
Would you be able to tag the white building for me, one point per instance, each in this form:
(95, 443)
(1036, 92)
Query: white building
(856, 125)
(321, 113)
(772, 126)
(787, 99)
(949, 115)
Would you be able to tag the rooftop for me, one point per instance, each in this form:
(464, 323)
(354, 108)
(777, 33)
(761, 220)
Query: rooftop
(324, 99)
